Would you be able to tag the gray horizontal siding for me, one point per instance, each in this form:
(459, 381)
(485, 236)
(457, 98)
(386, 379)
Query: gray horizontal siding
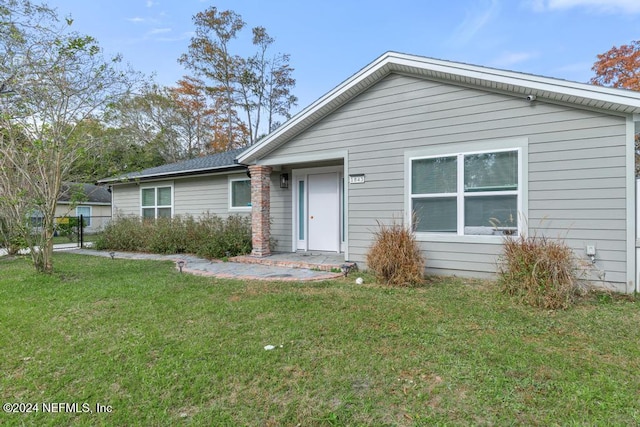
(196, 196)
(192, 196)
(576, 165)
(125, 199)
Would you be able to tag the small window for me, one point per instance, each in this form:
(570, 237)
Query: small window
(156, 202)
(85, 211)
(240, 194)
(36, 218)
(301, 214)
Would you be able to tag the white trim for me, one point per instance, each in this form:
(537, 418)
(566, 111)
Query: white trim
(156, 206)
(304, 158)
(302, 175)
(322, 169)
(114, 208)
(230, 207)
(630, 165)
(345, 174)
(460, 150)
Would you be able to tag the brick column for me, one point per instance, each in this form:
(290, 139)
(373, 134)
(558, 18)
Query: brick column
(260, 209)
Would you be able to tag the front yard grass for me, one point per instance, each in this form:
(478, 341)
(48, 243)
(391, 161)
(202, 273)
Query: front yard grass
(163, 348)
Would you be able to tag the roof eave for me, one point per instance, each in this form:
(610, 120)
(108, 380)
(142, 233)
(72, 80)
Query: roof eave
(86, 202)
(615, 100)
(125, 180)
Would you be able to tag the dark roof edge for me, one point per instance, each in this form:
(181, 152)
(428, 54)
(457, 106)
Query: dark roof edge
(175, 174)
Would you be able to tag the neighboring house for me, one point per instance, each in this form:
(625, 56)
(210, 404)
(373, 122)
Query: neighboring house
(94, 205)
(475, 153)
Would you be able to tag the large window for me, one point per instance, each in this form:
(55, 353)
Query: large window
(240, 194)
(157, 202)
(466, 194)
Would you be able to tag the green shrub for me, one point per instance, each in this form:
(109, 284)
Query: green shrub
(124, 234)
(224, 238)
(168, 236)
(538, 271)
(10, 239)
(395, 258)
(209, 236)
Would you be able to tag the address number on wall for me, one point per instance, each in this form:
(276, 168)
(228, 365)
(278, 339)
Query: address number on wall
(356, 179)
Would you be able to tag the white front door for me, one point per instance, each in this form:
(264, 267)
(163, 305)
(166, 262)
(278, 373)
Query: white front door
(323, 217)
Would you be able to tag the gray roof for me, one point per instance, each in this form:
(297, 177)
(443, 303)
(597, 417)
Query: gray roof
(94, 193)
(211, 163)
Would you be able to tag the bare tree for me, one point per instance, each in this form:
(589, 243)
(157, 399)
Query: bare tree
(244, 86)
(209, 56)
(53, 79)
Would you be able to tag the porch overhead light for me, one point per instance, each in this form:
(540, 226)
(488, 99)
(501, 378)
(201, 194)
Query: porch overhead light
(284, 180)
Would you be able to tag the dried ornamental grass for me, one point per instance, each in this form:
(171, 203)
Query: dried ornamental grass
(540, 272)
(394, 257)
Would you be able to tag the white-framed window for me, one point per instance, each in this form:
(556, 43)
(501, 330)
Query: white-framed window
(156, 202)
(240, 194)
(467, 194)
(85, 211)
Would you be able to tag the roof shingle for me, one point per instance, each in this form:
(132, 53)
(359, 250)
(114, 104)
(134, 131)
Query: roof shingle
(203, 164)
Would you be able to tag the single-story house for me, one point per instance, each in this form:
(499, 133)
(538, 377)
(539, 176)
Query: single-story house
(465, 154)
(94, 205)
(216, 184)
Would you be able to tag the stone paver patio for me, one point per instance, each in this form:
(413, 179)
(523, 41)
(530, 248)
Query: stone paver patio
(278, 267)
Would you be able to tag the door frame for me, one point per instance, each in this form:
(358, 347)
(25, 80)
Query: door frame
(302, 175)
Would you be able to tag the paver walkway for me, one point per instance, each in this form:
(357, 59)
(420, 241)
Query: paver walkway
(229, 270)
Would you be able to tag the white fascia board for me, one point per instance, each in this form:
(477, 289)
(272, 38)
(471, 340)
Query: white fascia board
(512, 78)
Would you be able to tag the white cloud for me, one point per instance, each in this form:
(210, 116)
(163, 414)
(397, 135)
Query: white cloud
(474, 21)
(159, 31)
(150, 3)
(136, 19)
(599, 6)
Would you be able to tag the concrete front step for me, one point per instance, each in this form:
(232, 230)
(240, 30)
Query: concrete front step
(293, 262)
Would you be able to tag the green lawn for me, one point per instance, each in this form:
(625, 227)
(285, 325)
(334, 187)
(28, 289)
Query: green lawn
(64, 239)
(163, 348)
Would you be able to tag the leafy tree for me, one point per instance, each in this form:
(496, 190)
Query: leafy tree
(174, 123)
(195, 119)
(249, 86)
(113, 151)
(619, 67)
(148, 118)
(52, 79)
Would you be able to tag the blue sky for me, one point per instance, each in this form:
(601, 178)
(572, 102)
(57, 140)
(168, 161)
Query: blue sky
(330, 40)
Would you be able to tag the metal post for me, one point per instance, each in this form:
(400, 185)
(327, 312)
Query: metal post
(81, 231)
